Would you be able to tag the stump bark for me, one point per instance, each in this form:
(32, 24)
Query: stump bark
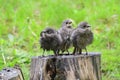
(11, 74)
(66, 67)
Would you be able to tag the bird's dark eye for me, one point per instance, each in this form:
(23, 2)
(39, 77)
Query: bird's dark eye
(48, 32)
(84, 26)
(66, 22)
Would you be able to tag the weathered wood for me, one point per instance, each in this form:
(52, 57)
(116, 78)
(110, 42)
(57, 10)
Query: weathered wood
(11, 74)
(66, 67)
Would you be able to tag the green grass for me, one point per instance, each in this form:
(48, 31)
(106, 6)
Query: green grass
(22, 21)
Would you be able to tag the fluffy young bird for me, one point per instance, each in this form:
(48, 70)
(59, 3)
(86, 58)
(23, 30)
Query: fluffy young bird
(65, 32)
(50, 39)
(81, 37)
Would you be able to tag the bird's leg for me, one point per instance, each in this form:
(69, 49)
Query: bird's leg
(74, 50)
(77, 50)
(58, 51)
(43, 52)
(63, 52)
(55, 52)
(86, 51)
(66, 49)
(80, 51)
(68, 52)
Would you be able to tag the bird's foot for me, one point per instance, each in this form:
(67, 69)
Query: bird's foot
(86, 53)
(68, 53)
(43, 55)
(56, 54)
(80, 53)
(73, 53)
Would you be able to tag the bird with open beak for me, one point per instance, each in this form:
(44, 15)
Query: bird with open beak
(65, 32)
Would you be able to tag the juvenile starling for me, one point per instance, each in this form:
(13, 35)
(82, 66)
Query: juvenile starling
(65, 32)
(81, 37)
(50, 39)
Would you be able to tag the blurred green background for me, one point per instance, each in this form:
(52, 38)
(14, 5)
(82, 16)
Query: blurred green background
(21, 22)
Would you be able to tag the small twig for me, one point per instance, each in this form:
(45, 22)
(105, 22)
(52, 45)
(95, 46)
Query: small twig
(4, 60)
(29, 27)
(33, 33)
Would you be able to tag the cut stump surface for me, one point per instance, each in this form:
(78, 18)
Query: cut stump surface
(66, 67)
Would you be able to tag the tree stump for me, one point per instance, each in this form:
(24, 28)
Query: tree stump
(66, 67)
(11, 74)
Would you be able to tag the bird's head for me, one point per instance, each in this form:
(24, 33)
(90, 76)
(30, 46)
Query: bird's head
(46, 32)
(49, 30)
(67, 23)
(84, 25)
